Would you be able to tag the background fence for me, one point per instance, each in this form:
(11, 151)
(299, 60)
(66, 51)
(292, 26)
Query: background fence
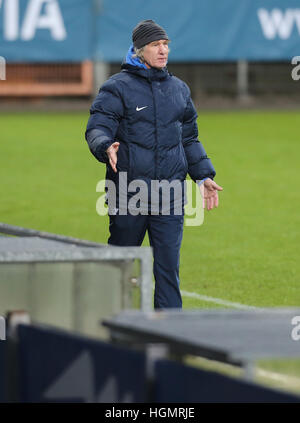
(242, 48)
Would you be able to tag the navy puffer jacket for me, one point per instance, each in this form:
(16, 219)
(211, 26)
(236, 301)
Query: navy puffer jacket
(151, 114)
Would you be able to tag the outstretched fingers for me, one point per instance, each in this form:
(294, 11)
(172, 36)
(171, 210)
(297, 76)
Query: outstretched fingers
(112, 155)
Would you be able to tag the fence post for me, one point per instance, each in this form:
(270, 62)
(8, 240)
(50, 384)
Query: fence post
(101, 71)
(101, 68)
(242, 79)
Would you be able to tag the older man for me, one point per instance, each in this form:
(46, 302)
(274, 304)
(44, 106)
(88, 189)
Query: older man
(143, 125)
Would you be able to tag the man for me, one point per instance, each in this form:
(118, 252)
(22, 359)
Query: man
(143, 125)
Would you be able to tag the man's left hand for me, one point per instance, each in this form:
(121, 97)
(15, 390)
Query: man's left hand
(209, 191)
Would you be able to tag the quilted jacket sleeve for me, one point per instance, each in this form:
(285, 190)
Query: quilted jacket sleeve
(105, 115)
(199, 165)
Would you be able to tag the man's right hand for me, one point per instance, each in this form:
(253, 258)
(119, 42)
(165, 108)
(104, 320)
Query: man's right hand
(112, 155)
(209, 192)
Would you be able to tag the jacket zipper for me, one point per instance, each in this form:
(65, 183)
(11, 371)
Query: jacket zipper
(156, 142)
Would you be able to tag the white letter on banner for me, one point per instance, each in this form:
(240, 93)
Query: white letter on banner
(297, 19)
(52, 20)
(276, 22)
(11, 19)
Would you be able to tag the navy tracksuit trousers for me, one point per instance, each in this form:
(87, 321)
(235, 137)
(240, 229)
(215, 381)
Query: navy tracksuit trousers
(165, 236)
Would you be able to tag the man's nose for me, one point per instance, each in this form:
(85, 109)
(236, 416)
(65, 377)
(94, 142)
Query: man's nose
(162, 49)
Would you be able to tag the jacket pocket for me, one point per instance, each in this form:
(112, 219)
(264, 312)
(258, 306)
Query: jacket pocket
(123, 157)
(186, 166)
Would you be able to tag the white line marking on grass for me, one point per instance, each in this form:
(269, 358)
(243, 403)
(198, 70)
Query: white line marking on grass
(279, 377)
(217, 301)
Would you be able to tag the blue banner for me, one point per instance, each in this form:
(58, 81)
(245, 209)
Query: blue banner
(45, 30)
(200, 30)
(206, 30)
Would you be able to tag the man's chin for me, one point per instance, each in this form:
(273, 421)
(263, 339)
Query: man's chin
(160, 66)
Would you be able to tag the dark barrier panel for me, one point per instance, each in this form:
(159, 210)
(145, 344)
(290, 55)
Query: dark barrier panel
(56, 366)
(178, 383)
(2, 370)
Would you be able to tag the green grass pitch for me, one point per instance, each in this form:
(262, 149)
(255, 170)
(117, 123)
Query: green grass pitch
(246, 251)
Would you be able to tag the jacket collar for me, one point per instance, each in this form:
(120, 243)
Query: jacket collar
(131, 59)
(151, 74)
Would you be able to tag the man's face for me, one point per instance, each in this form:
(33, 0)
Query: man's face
(156, 53)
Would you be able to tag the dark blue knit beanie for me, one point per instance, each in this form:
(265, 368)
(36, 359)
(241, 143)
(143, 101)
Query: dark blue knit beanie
(147, 31)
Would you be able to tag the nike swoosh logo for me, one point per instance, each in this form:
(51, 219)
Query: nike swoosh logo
(138, 109)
